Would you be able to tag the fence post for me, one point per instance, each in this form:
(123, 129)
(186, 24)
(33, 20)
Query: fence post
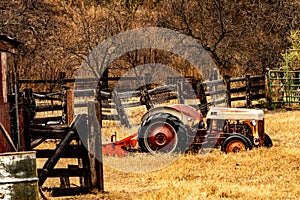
(267, 86)
(70, 106)
(180, 92)
(145, 98)
(95, 145)
(202, 98)
(120, 109)
(228, 97)
(248, 91)
(27, 117)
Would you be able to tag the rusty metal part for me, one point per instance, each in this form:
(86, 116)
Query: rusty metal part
(235, 146)
(162, 137)
(122, 147)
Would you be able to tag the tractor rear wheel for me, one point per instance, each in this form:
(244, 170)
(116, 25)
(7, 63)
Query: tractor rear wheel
(235, 143)
(268, 141)
(162, 133)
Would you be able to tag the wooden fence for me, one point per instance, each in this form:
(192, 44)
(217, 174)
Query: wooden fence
(246, 91)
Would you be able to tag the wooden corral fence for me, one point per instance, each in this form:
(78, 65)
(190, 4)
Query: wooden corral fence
(49, 117)
(248, 91)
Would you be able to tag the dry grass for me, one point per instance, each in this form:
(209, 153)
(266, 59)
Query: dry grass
(257, 174)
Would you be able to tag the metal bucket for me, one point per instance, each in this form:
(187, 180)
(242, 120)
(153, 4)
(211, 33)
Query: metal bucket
(18, 176)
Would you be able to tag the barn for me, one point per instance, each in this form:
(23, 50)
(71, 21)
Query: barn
(8, 48)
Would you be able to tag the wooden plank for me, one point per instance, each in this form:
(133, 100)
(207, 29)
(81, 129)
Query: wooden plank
(129, 94)
(216, 92)
(120, 109)
(72, 152)
(70, 106)
(248, 92)
(132, 104)
(257, 78)
(69, 172)
(94, 148)
(108, 105)
(238, 79)
(218, 101)
(105, 94)
(27, 117)
(48, 98)
(47, 119)
(45, 95)
(3, 78)
(258, 96)
(213, 83)
(80, 104)
(45, 108)
(84, 93)
(228, 94)
(110, 117)
(238, 98)
(163, 99)
(37, 142)
(180, 92)
(104, 105)
(202, 98)
(146, 99)
(163, 89)
(49, 134)
(238, 90)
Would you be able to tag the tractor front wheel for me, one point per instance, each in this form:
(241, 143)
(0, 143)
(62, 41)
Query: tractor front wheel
(162, 133)
(268, 141)
(235, 143)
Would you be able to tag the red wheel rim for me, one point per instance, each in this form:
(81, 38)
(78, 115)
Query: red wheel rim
(235, 146)
(161, 137)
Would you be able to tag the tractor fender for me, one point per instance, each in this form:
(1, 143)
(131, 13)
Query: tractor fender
(187, 114)
(188, 111)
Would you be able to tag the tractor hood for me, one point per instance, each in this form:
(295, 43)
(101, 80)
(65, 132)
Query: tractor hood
(235, 114)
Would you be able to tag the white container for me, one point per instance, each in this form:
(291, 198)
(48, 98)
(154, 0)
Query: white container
(18, 176)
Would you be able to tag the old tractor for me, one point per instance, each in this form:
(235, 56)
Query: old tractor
(179, 128)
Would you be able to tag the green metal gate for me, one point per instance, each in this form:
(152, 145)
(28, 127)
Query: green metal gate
(284, 87)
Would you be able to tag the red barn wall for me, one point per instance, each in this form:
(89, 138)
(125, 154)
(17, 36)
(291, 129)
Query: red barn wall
(4, 105)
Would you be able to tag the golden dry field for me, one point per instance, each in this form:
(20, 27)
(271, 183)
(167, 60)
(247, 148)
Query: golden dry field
(257, 174)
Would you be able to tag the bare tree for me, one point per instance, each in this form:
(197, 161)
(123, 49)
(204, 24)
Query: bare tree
(248, 35)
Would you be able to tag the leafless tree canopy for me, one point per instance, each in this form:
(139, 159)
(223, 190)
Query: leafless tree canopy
(241, 36)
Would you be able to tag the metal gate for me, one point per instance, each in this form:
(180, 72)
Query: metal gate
(284, 87)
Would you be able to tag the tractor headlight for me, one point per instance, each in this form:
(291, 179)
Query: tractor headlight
(253, 122)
